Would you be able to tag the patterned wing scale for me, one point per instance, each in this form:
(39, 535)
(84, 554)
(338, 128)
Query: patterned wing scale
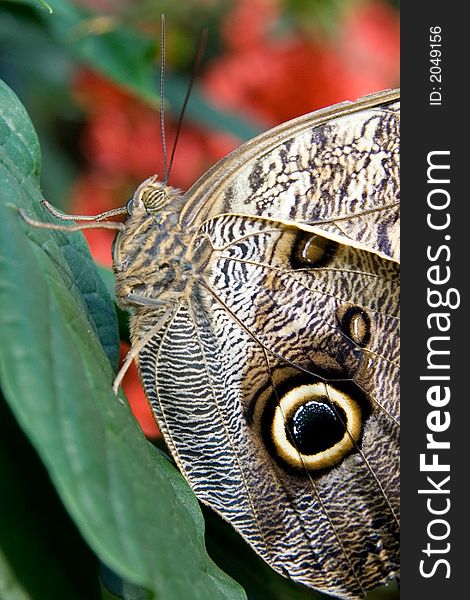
(334, 530)
(337, 168)
(289, 290)
(275, 381)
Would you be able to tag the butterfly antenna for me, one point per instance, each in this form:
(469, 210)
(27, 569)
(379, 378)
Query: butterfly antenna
(195, 71)
(162, 99)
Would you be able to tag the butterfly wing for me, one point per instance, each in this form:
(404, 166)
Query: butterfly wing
(336, 168)
(276, 381)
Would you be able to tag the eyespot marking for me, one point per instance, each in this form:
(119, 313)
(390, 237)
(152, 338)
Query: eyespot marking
(355, 323)
(315, 425)
(311, 251)
(316, 451)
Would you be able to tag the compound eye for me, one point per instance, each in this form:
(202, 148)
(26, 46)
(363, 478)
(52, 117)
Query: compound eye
(130, 206)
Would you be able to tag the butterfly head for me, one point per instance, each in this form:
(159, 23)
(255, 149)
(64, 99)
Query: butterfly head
(151, 234)
(151, 196)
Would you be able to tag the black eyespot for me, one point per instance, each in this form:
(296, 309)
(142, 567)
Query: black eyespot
(312, 251)
(316, 426)
(310, 425)
(355, 324)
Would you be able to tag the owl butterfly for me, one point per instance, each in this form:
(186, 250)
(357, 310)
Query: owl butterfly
(265, 325)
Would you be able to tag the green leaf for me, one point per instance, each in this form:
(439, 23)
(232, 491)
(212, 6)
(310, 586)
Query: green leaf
(10, 587)
(103, 42)
(36, 534)
(115, 587)
(106, 44)
(131, 505)
(122, 315)
(31, 64)
(21, 159)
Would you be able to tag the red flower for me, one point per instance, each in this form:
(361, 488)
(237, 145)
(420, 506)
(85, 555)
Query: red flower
(277, 79)
(248, 23)
(123, 137)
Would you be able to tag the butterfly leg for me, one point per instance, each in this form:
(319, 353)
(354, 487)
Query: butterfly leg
(137, 347)
(64, 217)
(59, 227)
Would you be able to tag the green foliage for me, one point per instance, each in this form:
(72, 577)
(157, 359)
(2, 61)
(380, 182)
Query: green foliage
(36, 535)
(132, 507)
(125, 56)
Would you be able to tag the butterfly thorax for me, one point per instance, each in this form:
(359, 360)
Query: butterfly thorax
(149, 257)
